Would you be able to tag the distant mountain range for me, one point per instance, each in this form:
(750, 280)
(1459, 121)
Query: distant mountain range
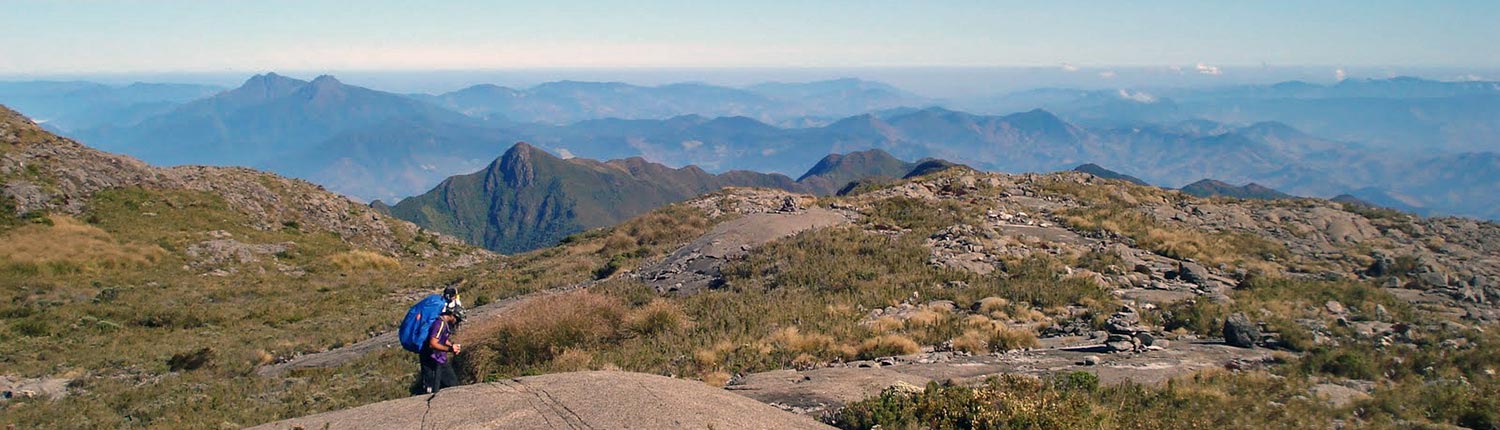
(74, 105)
(268, 118)
(376, 145)
(1100, 171)
(566, 102)
(528, 198)
(1253, 191)
(1398, 114)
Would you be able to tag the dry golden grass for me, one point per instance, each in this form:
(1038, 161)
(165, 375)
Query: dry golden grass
(972, 341)
(713, 357)
(992, 304)
(811, 344)
(1177, 241)
(884, 324)
(977, 321)
(537, 331)
(716, 379)
(362, 260)
(1029, 315)
(925, 318)
(572, 360)
(70, 242)
(983, 335)
(1007, 339)
(805, 361)
(888, 345)
(657, 317)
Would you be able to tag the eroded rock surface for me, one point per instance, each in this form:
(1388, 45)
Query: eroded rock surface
(696, 266)
(580, 400)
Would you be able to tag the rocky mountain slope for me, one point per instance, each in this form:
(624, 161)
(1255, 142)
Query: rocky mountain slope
(1100, 171)
(105, 254)
(528, 198)
(46, 173)
(837, 170)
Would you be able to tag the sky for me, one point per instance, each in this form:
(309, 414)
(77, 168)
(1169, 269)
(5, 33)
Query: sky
(1200, 36)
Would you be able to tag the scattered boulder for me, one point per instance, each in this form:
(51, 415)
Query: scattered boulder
(1241, 332)
(1383, 265)
(1339, 395)
(190, 360)
(45, 387)
(222, 251)
(1125, 321)
(1191, 272)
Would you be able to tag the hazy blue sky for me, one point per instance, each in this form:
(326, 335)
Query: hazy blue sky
(38, 37)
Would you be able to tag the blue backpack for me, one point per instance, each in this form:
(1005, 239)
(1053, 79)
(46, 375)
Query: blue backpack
(417, 326)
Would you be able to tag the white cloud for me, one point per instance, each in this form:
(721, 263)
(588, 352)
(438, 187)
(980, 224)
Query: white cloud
(1137, 96)
(1175, 69)
(565, 153)
(1069, 67)
(691, 144)
(768, 152)
(1107, 74)
(1209, 70)
(1340, 75)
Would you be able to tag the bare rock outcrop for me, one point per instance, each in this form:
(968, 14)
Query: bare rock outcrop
(696, 266)
(580, 400)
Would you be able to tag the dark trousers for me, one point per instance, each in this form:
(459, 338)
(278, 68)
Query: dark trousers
(435, 376)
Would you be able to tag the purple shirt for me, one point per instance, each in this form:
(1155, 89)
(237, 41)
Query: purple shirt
(441, 330)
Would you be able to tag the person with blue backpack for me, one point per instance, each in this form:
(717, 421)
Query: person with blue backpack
(428, 331)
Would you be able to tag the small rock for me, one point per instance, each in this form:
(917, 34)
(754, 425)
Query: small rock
(1120, 346)
(1145, 338)
(942, 305)
(1334, 307)
(1090, 360)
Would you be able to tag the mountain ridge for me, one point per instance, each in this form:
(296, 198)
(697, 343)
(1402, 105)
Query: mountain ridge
(529, 198)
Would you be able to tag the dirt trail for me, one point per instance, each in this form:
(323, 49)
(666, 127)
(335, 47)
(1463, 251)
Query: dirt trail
(696, 263)
(340, 356)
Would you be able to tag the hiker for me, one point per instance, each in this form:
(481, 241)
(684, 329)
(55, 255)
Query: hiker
(437, 356)
(427, 330)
